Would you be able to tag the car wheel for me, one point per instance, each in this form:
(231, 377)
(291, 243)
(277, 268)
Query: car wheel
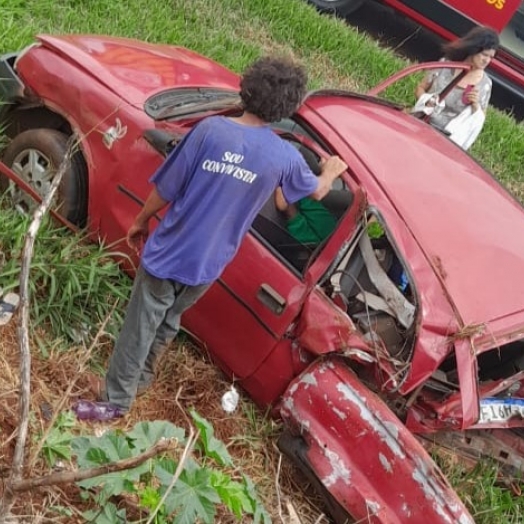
(340, 7)
(35, 155)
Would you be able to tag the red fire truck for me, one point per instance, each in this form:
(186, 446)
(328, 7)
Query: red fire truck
(451, 18)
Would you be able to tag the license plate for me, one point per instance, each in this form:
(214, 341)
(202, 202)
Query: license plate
(501, 409)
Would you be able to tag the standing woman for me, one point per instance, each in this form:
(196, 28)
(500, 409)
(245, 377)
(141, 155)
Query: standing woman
(462, 113)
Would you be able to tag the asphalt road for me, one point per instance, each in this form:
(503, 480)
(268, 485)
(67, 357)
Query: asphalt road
(409, 39)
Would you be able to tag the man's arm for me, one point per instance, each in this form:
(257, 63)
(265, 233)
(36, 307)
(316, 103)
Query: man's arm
(290, 210)
(331, 169)
(139, 230)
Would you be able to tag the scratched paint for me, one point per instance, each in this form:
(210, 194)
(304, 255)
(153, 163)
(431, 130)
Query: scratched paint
(339, 471)
(360, 355)
(373, 507)
(340, 414)
(367, 416)
(432, 491)
(393, 429)
(309, 380)
(406, 509)
(386, 464)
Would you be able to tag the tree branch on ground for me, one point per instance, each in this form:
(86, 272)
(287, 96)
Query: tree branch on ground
(23, 332)
(69, 477)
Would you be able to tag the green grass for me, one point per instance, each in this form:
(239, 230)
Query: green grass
(232, 32)
(74, 284)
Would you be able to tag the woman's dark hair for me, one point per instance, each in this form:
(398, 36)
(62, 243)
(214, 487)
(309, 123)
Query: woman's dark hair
(273, 88)
(475, 41)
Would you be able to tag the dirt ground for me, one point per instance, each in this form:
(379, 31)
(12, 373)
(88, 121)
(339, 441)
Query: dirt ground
(250, 437)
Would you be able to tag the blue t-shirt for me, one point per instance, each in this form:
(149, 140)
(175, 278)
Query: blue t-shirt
(217, 180)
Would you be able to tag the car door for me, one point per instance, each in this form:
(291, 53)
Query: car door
(246, 314)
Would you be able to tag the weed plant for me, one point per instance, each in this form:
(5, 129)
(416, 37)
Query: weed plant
(75, 284)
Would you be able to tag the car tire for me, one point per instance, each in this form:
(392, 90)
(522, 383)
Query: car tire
(34, 156)
(339, 7)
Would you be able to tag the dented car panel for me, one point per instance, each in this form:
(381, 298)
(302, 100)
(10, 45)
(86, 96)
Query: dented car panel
(357, 447)
(407, 318)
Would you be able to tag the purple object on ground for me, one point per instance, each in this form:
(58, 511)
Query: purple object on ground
(91, 410)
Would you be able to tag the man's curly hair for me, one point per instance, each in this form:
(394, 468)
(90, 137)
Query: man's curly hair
(273, 88)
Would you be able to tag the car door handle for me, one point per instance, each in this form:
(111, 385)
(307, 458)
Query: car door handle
(271, 299)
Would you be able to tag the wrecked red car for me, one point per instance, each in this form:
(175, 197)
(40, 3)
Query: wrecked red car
(408, 319)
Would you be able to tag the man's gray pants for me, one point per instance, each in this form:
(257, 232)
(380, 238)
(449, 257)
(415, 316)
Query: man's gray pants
(152, 321)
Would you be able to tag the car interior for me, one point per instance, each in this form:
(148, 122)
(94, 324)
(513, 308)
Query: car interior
(371, 284)
(271, 224)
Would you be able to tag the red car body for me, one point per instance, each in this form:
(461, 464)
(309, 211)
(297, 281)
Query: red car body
(325, 336)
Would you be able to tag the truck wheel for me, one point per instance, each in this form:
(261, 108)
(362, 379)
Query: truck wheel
(35, 156)
(340, 7)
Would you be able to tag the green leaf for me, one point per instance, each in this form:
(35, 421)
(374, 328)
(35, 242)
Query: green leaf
(260, 515)
(233, 494)
(165, 469)
(147, 434)
(213, 447)
(96, 456)
(192, 497)
(113, 483)
(111, 447)
(66, 419)
(107, 514)
(149, 497)
(96, 451)
(61, 510)
(57, 445)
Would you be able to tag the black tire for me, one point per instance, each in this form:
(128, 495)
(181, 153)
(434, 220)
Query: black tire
(35, 156)
(339, 7)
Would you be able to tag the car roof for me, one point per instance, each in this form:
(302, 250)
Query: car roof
(469, 228)
(136, 70)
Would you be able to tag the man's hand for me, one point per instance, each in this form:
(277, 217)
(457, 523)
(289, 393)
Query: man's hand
(139, 231)
(333, 166)
(137, 235)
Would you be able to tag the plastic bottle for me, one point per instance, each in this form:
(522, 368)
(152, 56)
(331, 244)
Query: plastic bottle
(89, 410)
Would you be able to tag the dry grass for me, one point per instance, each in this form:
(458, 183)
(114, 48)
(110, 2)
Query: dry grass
(250, 437)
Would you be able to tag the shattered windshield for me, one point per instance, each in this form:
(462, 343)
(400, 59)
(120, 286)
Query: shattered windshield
(182, 102)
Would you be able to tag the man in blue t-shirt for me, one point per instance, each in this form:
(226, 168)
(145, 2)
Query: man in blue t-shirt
(213, 184)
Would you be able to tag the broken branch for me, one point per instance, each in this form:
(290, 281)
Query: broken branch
(23, 335)
(68, 477)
